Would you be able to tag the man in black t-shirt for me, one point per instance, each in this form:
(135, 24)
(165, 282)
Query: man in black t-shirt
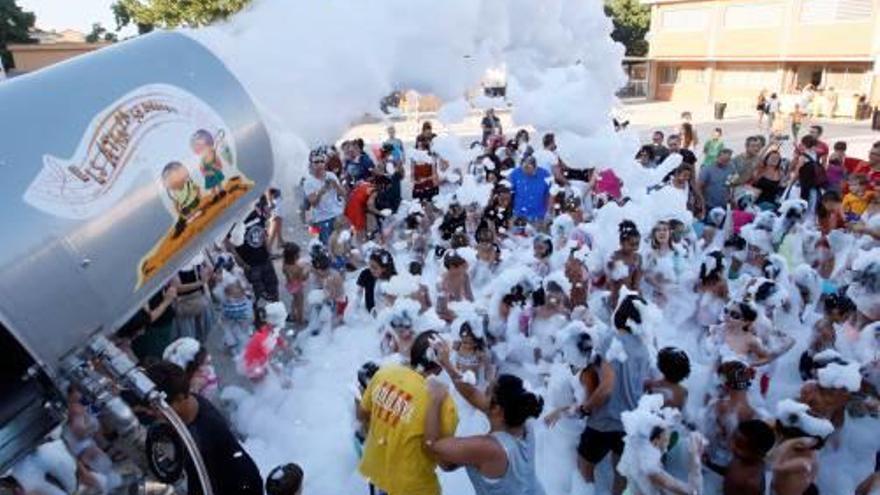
(231, 469)
(254, 256)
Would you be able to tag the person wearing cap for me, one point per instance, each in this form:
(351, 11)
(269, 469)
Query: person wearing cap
(325, 195)
(531, 190)
(394, 406)
(247, 242)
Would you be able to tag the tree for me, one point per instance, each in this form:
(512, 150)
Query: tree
(15, 25)
(631, 22)
(100, 33)
(173, 13)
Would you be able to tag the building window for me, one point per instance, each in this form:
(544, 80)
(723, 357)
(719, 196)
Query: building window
(753, 16)
(685, 19)
(748, 77)
(847, 79)
(823, 11)
(692, 75)
(668, 74)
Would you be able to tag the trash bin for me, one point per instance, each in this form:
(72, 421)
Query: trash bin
(720, 107)
(875, 120)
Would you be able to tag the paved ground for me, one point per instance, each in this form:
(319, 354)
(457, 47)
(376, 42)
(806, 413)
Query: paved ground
(648, 116)
(644, 117)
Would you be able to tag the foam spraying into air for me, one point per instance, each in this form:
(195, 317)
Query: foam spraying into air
(313, 68)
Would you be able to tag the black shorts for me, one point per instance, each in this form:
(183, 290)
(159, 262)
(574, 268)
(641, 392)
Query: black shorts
(425, 193)
(595, 444)
(582, 175)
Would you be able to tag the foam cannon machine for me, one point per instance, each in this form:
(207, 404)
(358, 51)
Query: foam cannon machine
(118, 167)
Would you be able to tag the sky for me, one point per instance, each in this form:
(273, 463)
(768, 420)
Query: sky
(70, 14)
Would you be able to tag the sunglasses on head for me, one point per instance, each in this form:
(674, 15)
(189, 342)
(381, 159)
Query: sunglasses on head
(401, 322)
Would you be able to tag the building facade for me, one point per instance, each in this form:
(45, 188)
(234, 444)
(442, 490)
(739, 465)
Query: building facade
(705, 51)
(50, 47)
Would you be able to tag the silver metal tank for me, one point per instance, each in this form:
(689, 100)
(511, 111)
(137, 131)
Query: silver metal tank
(109, 183)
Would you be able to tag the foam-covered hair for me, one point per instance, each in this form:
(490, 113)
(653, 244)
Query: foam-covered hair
(796, 415)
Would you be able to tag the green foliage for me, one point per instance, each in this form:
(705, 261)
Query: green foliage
(14, 26)
(100, 33)
(173, 13)
(631, 23)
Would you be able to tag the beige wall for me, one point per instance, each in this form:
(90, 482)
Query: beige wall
(850, 39)
(689, 87)
(721, 29)
(34, 57)
(741, 47)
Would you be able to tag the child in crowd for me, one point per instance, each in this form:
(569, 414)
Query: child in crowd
(194, 359)
(342, 248)
(471, 354)
(296, 273)
(236, 313)
(624, 268)
(675, 366)
(326, 297)
(423, 294)
(855, 202)
(263, 351)
(454, 285)
(745, 475)
(285, 480)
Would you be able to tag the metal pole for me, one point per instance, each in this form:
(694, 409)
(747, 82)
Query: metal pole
(180, 427)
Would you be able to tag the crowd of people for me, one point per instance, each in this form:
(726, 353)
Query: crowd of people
(524, 287)
(492, 278)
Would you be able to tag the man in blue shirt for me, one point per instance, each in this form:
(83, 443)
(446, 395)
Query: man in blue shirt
(397, 151)
(531, 190)
(358, 165)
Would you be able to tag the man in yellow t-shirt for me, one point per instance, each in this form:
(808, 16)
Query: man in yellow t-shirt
(396, 401)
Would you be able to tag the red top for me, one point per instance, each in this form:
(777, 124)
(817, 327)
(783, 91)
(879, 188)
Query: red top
(258, 352)
(850, 164)
(356, 208)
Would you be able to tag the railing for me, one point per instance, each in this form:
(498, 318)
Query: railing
(634, 89)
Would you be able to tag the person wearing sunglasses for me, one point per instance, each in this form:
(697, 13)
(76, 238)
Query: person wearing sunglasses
(399, 333)
(738, 338)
